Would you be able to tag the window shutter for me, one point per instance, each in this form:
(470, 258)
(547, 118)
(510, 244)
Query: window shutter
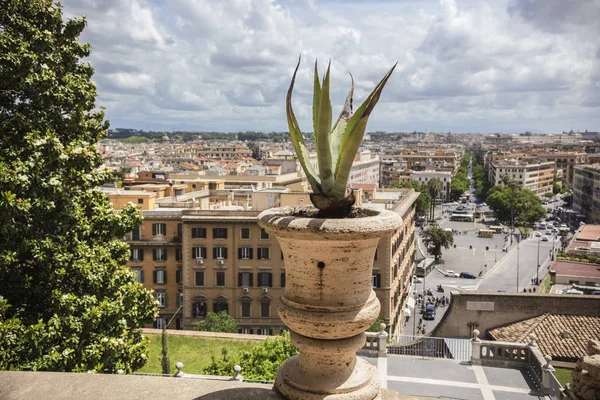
(165, 276)
(154, 254)
(225, 253)
(179, 229)
(378, 280)
(130, 254)
(270, 331)
(251, 279)
(270, 277)
(283, 279)
(164, 254)
(251, 331)
(154, 276)
(153, 229)
(239, 279)
(166, 297)
(214, 252)
(250, 250)
(141, 254)
(215, 233)
(259, 253)
(177, 300)
(178, 276)
(141, 276)
(239, 253)
(164, 229)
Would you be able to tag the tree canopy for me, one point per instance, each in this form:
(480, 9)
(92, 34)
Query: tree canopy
(68, 301)
(435, 238)
(216, 322)
(423, 202)
(525, 205)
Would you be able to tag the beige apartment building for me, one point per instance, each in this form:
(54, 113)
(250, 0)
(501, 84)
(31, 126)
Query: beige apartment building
(529, 174)
(565, 162)
(586, 192)
(197, 261)
(225, 152)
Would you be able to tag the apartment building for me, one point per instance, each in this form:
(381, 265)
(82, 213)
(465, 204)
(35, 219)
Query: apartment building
(198, 261)
(586, 192)
(422, 160)
(225, 151)
(445, 177)
(365, 168)
(529, 174)
(565, 162)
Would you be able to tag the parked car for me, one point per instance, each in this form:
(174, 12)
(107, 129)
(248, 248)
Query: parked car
(467, 275)
(545, 238)
(596, 292)
(452, 274)
(570, 291)
(416, 279)
(429, 313)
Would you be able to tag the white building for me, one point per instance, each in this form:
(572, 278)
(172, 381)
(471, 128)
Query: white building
(365, 168)
(445, 178)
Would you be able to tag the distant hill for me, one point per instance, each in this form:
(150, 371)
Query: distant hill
(250, 136)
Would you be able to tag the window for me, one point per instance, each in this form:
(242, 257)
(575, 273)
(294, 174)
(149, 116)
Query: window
(159, 229)
(263, 234)
(178, 275)
(265, 279)
(137, 255)
(245, 279)
(283, 279)
(263, 253)
(160, 276)
(159, 323)
(219, 233)
(221, 306)
(220, 278)
(178, 254)
(199, 252)
(245, 233)
(161, 299)
(180, 230)
(198, 233)
(245, 253)
(179, 299)
(245, 309)
(139, 275)
(264, 331)
(246, 331)
(376, 280)
(140, 201)
(199, 308)
(199, 278)
(220, 252)
(265, 308)
(159, 254)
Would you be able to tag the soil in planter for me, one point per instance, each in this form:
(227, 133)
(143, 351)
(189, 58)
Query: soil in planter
(355, 212)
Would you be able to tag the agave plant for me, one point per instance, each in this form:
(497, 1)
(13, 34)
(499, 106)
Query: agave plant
(336, 147)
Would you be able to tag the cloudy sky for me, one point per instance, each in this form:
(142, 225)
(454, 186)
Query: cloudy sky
(463, 65)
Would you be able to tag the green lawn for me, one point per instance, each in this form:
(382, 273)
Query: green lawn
(563, 375)
(194, 352)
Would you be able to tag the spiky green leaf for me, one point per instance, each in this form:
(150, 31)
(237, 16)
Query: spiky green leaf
(353, 136)
(340, 126)
(298, 139)
(322, 139)
(316, 101)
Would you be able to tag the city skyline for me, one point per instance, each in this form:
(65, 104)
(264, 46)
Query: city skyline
(474, 66)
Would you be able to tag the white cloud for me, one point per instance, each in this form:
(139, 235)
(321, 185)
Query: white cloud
(509, 65)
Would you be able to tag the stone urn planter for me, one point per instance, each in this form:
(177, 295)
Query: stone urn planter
(328, 301)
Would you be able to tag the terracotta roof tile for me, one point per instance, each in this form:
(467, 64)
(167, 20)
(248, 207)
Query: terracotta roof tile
(564, 337)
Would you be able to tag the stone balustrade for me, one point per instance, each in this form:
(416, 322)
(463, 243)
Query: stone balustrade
(375, 343)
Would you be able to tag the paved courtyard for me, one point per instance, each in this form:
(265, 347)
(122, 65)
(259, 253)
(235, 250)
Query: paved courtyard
(449, 379)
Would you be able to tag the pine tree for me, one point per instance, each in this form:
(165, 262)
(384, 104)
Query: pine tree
(68, 302)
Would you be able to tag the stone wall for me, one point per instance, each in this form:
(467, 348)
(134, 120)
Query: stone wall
(485, 311)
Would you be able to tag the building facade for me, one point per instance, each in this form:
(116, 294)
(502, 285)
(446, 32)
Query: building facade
(533, 175)
(198, 261)
(445, 177)
(586, 192)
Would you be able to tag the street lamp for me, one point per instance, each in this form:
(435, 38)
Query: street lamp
(537, 271)
(518, 245)
(495, 253)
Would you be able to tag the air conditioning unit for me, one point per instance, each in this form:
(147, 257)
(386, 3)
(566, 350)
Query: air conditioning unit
(265, 290)
(220, 261)
(199, 260)
(246, 290)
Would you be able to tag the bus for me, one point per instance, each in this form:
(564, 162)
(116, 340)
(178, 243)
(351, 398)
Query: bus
(486, 233)
(496, 228)
(461, 217)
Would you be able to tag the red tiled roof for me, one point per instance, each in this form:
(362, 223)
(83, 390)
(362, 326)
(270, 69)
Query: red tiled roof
(364, 186)
(564, 337)
(589, 232)
(576, 269)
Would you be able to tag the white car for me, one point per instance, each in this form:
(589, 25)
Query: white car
(545, 238)
(452, 274)
(537, 234)
(418, 280)
(570, 291)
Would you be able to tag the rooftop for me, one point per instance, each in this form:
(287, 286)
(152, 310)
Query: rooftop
(576, 269)
(589, 232)
(560, 336)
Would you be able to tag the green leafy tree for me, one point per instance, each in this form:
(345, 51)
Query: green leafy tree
(376, 326)
(434, 187)
(511, 201)
(435, 238)
(260, 362)
(217, 322)
(70, 302)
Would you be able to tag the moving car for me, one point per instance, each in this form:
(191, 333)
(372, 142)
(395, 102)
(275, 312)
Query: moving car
(417, 280)
(570, 291)
(452, 274)
(429, 313)
(545, 238)
(537, 234)
(467, 275)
